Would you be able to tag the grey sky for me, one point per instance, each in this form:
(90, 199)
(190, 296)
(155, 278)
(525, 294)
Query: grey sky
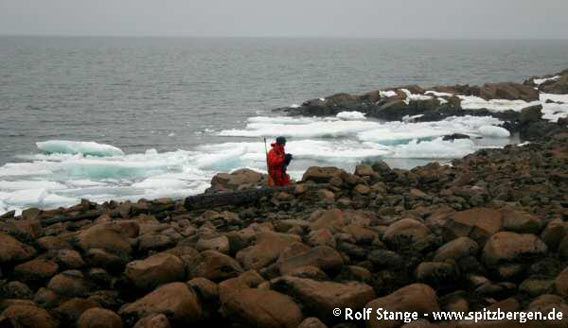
(330, 18)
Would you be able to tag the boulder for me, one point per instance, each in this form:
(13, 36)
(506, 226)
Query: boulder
(153, 321)
(508, 90)
(14, 251)
(323, 257)
(105, 236)
(521, 222)
(561, 283)
(266, 250)
(36, 270)
(69, 259)
(99, 318)
(155, 270)
(237, 180)
(71, 310)
(553, 233)
(261, 308)
(333, 219)
(437, 273)
(27, 316)
(15, 290)
(70, 283)
(419, 298)
(476, 223)
(175, 300)
(215, 266)
(512, 247)
(312, 322)
(407, 234)
(323, 174)
(321, 297)
(456, 249)
(218, 243)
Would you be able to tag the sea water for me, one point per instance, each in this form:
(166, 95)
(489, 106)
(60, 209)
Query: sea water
(129, 118)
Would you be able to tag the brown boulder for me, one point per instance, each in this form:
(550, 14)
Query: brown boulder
(175, 300)
(508, 90)
(553, 233)
(36, 270)
(215, 266)
(412, 298)
(14, 251)
(521, 222)
(99, 318)
(323, 257)
(323, 174)
(27, 316)
(262, 308)
(71, 310)
(456, 249)
(407, 233)
(218, 243)
(333, 219)
(155, 270)
(153, 321)
(561, 283)
(69, 283)
(512, 247)
(238, 180)
(321, 297)
(266, 250)
(476, 223)
(105, 236)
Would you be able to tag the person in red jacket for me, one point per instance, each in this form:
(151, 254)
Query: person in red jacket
(278, 162)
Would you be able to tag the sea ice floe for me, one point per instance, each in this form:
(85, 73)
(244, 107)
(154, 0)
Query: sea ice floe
(491, 131)
(353, 116)
(546, 79)
(495, 105)
(79, 147)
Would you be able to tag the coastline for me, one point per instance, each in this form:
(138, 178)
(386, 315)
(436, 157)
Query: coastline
(487, 231)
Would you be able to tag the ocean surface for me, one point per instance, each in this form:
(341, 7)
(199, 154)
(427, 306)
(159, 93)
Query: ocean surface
(178, 110)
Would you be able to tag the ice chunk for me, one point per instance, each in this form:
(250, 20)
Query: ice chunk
(494, 131)
(294, 106)
(351, 116)
(436, 148)
(495, 105)
(438, 94)
(79, 147)
(387, 94)
(546, 79)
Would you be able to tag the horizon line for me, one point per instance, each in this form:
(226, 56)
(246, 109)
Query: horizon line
(282, 37)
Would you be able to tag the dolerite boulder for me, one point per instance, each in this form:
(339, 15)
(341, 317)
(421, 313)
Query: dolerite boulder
(323, 257)
(408, 234)
(419, 298)
(175, 300)
(237, 180)
(36, 270)
(155, 270)
(27, 316)
(508, 90)
(13, 250)
(504, 247)
(109, 237)
(476, 223)
(321, 297)
(215, 266)
(99, 318)
(262, 308)
(324, 174)
(70, 283)
(267, 248)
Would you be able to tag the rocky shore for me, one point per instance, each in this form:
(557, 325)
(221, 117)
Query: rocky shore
(519, 105)
(488, 231)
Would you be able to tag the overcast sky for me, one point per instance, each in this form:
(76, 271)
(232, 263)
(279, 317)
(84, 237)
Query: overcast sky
(524, 19)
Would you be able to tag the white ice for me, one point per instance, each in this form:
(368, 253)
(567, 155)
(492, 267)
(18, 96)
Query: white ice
(546, 79)
(495, 105)
(351, 116)
(79, 147)
(494, 131)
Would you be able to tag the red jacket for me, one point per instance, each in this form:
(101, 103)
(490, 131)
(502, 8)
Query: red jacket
(276, 162)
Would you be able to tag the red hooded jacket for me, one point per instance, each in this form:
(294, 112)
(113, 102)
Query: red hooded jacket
(276, 162)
